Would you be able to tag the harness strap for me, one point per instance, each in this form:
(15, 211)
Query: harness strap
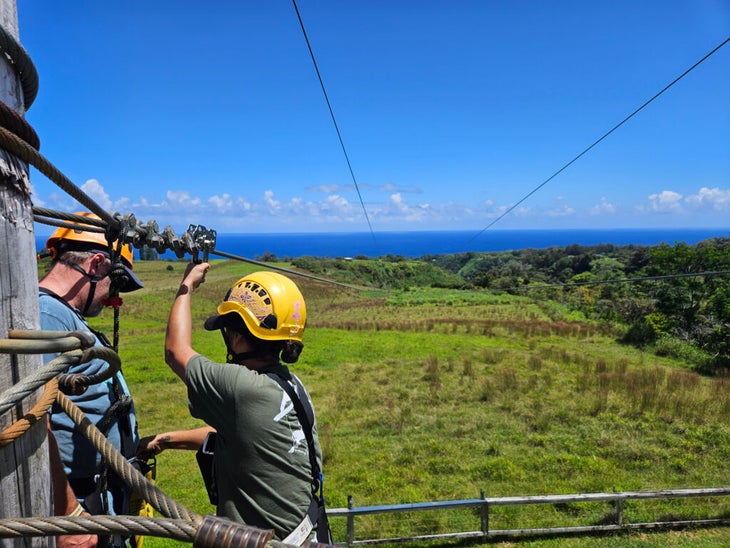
(303, 531)
(305, 413)
(316, 514)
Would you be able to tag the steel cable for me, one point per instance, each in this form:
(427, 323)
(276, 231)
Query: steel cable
(177, 529)
(28, 154)
(13, 395)
(22, 64)
(131, 476)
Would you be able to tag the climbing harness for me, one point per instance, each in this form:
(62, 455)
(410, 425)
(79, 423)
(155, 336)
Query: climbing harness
(316, 515)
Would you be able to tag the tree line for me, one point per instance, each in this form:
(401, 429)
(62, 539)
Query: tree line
(672, 298)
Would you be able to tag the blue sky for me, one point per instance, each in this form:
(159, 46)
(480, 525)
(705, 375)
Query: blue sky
(450, 111)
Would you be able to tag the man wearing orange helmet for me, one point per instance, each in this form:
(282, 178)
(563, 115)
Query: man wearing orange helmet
(267, 458)
(81, 279)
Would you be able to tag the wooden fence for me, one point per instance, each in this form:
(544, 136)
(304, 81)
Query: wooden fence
(477, 512)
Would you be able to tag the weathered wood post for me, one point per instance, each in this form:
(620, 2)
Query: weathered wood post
(24, 471)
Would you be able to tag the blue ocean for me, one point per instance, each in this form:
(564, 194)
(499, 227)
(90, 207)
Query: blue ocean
(415, 244)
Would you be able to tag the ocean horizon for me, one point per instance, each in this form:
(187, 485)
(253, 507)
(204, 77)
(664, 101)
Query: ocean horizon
(415, 244)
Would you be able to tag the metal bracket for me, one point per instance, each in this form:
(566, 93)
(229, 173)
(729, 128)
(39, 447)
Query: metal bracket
(203, 239)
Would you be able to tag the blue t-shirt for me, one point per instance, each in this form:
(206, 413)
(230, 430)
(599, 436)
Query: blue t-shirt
(80, 458)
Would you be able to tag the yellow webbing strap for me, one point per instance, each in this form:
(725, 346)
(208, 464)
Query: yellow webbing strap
(139, 506)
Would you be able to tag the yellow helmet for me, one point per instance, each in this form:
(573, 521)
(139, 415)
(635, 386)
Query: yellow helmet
(77, 239)
(270, 304)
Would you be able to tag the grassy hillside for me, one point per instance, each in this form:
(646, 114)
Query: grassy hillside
(436, 394)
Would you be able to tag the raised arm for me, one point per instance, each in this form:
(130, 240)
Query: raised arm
(179, 336)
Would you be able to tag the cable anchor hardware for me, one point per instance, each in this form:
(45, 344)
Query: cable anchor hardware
(203, 240)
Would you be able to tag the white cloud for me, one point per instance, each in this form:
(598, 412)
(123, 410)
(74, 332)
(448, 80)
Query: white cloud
(666, 201)
(327, 189)
(37, 202)
(339, 205)
(182, 199)
(333, 210)
(398, 208)
(561, 211)
(94, 190)
(222, 203)
(269, 200)
(393, 188)
(604, 207)
(710, 198)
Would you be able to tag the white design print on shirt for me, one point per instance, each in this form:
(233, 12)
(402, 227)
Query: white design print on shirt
(285, 407)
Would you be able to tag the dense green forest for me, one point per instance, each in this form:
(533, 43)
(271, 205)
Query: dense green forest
(672, 299)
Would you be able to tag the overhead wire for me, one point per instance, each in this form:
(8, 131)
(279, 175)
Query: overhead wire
(282, 269)
(609, 132)
(334, 120)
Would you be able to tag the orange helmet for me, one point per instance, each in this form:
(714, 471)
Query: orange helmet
(78, 239)
(270, 304)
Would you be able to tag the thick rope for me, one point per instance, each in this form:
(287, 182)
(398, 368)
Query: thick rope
(32, 417)
(86, 339)
(131, 476)
(10, 346)
(14, 122)
(76, 383)
(28, 154)
(68, 220)
(182, 530)
(57, 366)
(73, 219)
(210, 532)
(13, 395)
(23, 65)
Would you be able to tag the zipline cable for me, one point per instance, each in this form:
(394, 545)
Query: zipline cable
(28, 154)
(282, 269)
(609, 132)
(334, 120)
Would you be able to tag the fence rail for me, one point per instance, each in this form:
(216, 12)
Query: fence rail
(484, 504)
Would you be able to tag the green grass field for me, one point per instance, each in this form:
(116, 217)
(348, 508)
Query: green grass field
(433, 395)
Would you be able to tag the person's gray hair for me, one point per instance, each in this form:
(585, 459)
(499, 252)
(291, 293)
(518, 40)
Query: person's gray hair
(72, 257)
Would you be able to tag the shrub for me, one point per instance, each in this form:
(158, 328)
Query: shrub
(640, 334)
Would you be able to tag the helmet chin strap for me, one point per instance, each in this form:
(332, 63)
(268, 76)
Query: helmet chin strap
(93, 280)
(239, 357)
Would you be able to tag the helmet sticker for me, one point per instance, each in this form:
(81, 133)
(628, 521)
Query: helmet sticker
(296, 316)
(254, 298)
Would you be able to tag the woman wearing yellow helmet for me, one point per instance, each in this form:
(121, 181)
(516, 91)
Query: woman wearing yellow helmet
(267, 457)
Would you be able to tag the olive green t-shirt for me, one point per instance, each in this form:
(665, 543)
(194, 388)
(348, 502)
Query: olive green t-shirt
(261, 457)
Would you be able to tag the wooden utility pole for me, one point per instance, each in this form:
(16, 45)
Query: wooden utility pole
(24, 466)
